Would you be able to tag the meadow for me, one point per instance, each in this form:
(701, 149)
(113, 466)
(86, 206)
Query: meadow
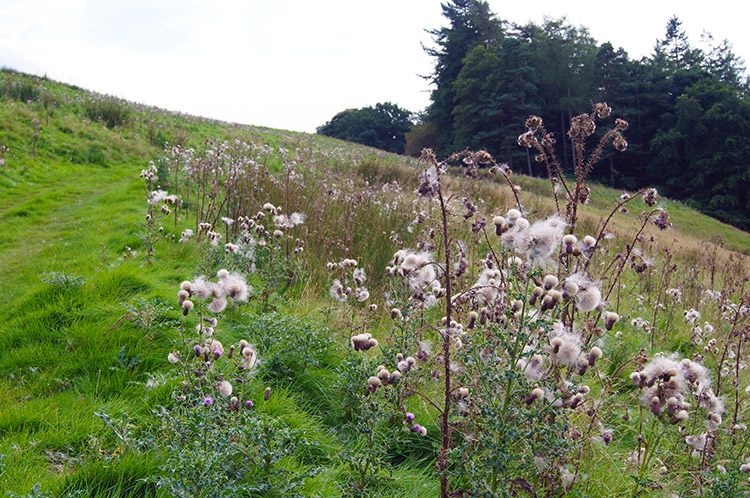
(198, 308)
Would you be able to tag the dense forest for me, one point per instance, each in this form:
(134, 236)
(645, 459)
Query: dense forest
(687, 107)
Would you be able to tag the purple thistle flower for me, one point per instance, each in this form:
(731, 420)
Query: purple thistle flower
(208, 401)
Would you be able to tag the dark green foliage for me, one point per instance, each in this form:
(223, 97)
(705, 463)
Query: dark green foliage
(109, 110)
(705, 153)
(470, 24)
(516, 98)
(210, 451)
(686, 107)
(298, 354)
(421, 136)
(383, 126)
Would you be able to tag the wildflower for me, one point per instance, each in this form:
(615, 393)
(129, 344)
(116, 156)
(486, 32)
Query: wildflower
(372, 384)
(697, 442)
(225, 388)
(675, 294)
(362, 294)
(610, 319)
(208, 401)
(234, 286)
(429, 182)
(182, 295)
(620, 143)
(201, 289)
(487, 287)
(527, 139)
(249, 404)
(214, 346)
(650, 196)
(337, 291)
(588, 244)
(187, 305)
(691, 315)
(267, 394)
(565, 347)
(359, 276)
(533, 123)
(217, 305)
(173, 357)
(185, 235)
(661, 220)
(419, 429)
(405, 364)
(499, 223)
(157, 196)
(594, 355)
(531, 366)
(536, 393)
(363, 342)
(588, 294)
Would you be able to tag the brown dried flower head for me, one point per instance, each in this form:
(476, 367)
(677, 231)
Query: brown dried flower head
(620, 143)
(602, 110)
(581, 126)
(527, 139)
(533, 123)
(650, 196)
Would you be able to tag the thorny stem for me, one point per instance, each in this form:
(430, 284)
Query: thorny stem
(445, 431)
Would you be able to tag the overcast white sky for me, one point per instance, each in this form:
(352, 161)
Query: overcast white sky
(293, 64)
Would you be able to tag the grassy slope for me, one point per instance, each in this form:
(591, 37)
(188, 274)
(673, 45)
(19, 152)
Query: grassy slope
(72, 203)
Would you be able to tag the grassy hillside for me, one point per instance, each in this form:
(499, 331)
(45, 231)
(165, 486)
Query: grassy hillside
(89, 284)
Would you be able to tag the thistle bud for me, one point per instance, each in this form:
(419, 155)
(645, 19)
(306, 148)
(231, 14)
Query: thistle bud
(548, 303)
(610, 319)
(556, 344)
(594, 355)
(577, 399)
(536, 393)
(570, 241)
(267, 394)
(583, 365)
(550, 282)
(187, 305)
(655, 408)
(536, 294)
(499, 222)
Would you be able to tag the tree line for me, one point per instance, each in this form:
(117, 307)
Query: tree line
(687, 107)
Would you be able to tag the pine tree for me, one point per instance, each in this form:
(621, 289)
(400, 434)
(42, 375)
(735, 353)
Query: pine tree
(470, 24)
